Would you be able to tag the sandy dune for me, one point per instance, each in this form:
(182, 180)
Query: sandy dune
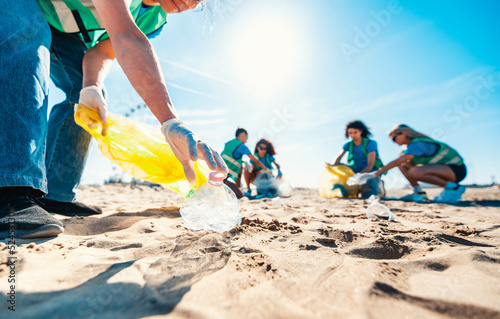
(311, 258)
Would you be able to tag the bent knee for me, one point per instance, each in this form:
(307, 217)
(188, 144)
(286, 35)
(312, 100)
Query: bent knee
(415, 172)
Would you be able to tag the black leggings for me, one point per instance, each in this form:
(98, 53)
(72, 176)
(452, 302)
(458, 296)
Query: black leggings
(460, 172)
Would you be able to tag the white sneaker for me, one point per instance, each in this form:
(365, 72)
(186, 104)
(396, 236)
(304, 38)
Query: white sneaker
(450, 196)
(419, 197)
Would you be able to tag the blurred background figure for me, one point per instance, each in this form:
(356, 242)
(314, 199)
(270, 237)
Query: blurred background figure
(362, 157)
(429, 161)
(233, 153)
(264, 152)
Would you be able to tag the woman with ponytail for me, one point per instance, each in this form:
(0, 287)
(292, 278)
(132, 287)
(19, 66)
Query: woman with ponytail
(427, 160)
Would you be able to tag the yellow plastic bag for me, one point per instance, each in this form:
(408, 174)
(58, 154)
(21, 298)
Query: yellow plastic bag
(140, 150)
(333, 182)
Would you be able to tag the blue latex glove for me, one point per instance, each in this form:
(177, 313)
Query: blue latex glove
(188, 148)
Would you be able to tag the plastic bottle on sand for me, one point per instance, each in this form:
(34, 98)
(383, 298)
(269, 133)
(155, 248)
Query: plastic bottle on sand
(277, 201)
(376, 209)
(212, 207)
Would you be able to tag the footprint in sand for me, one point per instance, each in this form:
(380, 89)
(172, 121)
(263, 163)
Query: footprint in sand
(384, 248)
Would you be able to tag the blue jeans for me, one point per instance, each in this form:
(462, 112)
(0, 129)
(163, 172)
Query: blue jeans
(370, 188)
(48, 156)
(67, 143)
(24, 72)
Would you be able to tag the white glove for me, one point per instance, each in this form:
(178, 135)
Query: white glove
(188, 147)
(360, 178)
(92, 97)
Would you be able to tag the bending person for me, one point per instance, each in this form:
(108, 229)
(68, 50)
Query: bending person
(429, 161)
(264, 152)
(48, 157)
(233, 153)
(363, 156)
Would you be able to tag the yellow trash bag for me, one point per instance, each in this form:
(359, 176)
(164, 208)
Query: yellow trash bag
(333, 182)
(140, 150)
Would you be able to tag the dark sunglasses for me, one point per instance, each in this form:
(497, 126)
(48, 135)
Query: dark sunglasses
(262, 148)
(394, 137)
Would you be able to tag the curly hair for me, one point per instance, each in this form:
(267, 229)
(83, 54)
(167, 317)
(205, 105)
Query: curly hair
(357, 124)
(269, 146)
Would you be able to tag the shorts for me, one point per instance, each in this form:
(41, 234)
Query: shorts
(460, 172)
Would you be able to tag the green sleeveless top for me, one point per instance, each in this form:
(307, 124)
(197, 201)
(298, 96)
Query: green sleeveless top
(378, 162)
(445, 155)
(80, 17)
(233, 164)
(265, 160)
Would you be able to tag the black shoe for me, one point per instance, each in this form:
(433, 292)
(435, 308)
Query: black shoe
(22, 217)
(69, 208)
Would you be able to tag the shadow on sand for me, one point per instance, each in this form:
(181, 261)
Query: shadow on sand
(165, 282)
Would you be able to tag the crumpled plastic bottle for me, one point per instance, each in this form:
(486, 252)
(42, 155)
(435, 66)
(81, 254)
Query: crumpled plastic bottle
(213, 207)
(378, 210)
(277, 201)
(272, 185)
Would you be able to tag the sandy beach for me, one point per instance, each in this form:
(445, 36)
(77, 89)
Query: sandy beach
(309, 258)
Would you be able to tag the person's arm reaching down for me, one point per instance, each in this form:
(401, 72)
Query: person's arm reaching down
(400, 160)
(138, 60)
(370, 162)
(337, 159)
(258, 163)
(96, 64)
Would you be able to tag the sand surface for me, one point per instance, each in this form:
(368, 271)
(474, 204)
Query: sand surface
(311, 258)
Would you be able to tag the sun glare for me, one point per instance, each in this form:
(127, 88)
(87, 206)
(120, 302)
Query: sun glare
(266, 55)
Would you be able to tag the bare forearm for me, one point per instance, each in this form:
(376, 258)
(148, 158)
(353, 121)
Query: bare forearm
(337, 159)
(368, 168)
(138, 60)
(370, 163)
(96, 66)
(393, 164)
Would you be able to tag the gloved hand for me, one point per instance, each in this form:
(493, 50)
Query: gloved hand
(188, 148)
(360, 178)
(92, 97)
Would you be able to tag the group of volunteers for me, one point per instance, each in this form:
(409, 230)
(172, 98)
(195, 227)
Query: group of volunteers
(261, 161)
(422, 160)
(73, 43)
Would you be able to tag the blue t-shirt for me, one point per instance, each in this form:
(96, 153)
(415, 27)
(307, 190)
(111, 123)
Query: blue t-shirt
(360, 160)
(271, 158)
(421, 149)
(241, 150)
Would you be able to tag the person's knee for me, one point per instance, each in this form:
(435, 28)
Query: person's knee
(415, 173)
(404, 166)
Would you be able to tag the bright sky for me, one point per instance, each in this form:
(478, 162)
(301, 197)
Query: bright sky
(297, 71)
